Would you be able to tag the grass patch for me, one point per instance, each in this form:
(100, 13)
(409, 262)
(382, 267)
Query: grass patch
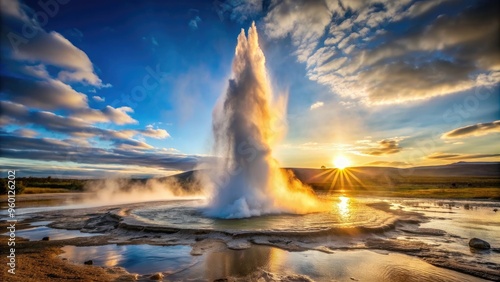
(36, 190)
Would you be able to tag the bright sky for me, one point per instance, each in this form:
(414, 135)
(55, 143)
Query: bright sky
(93, 88)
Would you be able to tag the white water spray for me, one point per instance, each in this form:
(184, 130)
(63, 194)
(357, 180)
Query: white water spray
(246, 180)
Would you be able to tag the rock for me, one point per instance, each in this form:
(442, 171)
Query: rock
(89, 262)
(45, 238)
(238, 244)
(101, 223)
(425, 231)
(479, 244)
(200, 247)
(156, 276)
(495, 210)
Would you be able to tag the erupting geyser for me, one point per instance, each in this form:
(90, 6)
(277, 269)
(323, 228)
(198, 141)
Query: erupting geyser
(246, 180)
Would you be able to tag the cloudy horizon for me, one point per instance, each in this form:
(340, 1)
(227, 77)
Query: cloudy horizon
(85, 93)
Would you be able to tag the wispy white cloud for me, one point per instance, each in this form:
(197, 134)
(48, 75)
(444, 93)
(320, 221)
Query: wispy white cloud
(194, 22)
(98, 98)
(316, 105)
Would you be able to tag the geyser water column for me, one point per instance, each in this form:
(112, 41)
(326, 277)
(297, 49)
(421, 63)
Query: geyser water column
(246, 180)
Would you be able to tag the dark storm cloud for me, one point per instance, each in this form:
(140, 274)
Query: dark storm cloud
(473, 130)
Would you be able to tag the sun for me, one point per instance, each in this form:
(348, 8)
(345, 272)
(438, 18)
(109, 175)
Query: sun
(341, 162)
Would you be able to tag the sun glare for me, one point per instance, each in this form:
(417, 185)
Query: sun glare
(341, 162)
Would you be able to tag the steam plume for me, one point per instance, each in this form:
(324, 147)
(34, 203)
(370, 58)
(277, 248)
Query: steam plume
(246, 180)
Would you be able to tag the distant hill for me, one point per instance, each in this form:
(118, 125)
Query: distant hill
(460, 169)
(462, 174)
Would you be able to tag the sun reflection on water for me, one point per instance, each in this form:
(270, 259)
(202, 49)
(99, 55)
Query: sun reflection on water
(344, 207)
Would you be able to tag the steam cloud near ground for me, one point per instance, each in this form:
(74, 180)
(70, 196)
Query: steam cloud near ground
(121, 191)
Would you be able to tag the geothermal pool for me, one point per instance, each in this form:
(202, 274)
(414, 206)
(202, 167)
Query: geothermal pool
(344, 213)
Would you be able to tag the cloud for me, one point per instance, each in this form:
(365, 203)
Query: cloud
(479, 129)
(346, 47)
(422, 7)
(30, 92)
(131, 144)
(38, 71)
(366, 147)
(48, 149)
(316, 105)
(457, 156)
(81, 127)
(154, 41)
(382, 147)
(13, 8)
(245, 10)
(238, 10)
(75, 33)
(98, 98)
(44, 47)
(108, 114)
(22, 132)
(401, 82)
(193, 23)
(154, 133)
(386, 163)
(36, 93)
(304, 20)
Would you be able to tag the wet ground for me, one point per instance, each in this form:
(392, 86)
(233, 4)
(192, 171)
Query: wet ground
(407, 240)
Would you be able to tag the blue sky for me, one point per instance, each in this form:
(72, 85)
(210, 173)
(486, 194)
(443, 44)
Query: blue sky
(93, 88)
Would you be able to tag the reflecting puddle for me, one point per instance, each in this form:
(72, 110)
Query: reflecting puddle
(38, 232)
(465, 219)
(180, 265)
(41, 223)
(142, 259)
